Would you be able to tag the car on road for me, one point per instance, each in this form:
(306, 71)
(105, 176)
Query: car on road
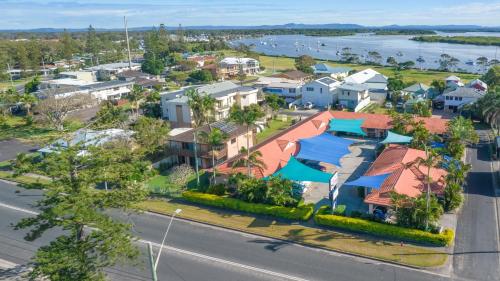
(308, 105)
(388, 104)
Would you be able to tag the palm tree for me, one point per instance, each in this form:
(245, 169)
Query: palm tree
(253, 159)
(462, 130)
(134, 97)
(246, 116)
(214, 138)
(489, 109)
(202, 106)
(432, 160)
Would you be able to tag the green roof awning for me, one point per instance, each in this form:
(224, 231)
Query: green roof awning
(396, 138)
(296, 171)
(347, 126)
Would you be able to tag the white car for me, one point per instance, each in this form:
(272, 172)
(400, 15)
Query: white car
(388, 105)
(308, 105)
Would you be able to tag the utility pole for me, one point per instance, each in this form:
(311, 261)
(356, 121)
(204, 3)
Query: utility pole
(128, 44)
(44, 70)
(151, 261)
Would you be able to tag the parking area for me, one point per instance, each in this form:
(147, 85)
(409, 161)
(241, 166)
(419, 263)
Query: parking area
(10, 148)
(352, 166)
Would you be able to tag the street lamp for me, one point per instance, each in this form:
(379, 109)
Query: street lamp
(154, 263)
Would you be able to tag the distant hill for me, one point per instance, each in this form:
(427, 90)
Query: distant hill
(339, 26)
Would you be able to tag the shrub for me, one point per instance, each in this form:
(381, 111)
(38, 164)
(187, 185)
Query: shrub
(297, 213)
(217, 189)
(339, 210)
(179, 175)
(382, 229)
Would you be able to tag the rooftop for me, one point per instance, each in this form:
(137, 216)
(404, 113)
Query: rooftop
(417, 87)
(465, 93)
(233, 60)
(325, 68)
(353, 87)
(362, 76)
(406, 176)
(293, 75)
(231, 129)
(326, 81)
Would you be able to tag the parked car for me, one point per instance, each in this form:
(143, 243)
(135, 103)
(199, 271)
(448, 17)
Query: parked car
(308, 105)
(400, 104)
(388, 104)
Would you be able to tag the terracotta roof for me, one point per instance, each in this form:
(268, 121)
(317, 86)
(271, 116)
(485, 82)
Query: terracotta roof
(384, 122)
(407, 176)
(293, 75)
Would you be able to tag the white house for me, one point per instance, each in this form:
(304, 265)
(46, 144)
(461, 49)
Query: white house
(334, 72)
(230, 67)
(321, 92)
(110, 90)
(176, 110)
(353, 96)
(87, 76)
(87, 138)
(110, 70)
(376, 83)
(456, 99)
(453, 82)
(417, 90)
(289, 89)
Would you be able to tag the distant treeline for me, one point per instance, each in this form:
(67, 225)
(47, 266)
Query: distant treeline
(404, 32)
(474, 40)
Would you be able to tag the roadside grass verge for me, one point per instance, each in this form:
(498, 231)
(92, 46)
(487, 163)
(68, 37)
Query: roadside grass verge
(294, 232)
(27, 181)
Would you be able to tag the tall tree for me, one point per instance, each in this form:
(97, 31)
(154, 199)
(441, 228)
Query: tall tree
(55, 110)
(135, 97)
(68, 47)
(92, 44)
(247, 117)
(151, 134)
(460, 132)
(215, 139)
(253, 159)
(431, 160)
(488, 108)
(483, 62)
(439, 85)
(92, 240)
(202, 108)
(304, 63)
(274, 102)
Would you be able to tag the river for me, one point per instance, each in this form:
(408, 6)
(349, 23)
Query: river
(398, 46)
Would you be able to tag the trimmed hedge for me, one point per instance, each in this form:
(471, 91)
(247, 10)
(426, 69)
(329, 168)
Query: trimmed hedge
(322, 217)
(303, 212)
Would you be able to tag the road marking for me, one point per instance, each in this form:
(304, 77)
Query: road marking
(185, 252)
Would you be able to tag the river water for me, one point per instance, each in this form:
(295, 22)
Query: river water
(398, 46)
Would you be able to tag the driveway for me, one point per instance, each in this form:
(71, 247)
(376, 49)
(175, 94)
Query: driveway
(10, 148)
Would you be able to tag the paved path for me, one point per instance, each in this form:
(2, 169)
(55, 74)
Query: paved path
(476, 253)
(202, 252)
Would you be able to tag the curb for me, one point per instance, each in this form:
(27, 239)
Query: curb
(306, 244)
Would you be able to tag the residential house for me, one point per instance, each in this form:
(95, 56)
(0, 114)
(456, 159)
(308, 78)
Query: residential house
(176, 110)
(110, 90)
(87, 138)
(478, 85)
(338, 73)
(455, 99)
(202, 60)
(181, 146)
(295, 75)
(453, 82)
(87, 76)
(230, 67)
(144, 80)
(417, 90)
(111, 70)
(353, 96)
(321, 92)
(405, 177)
(376, 82)
(289, 89)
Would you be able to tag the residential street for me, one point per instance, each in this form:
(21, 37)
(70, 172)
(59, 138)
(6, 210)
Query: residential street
(206, 253)
(477, 242)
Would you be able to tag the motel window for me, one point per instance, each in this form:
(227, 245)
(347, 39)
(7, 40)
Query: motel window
(292, 91)
(310, 89)
(321, 90)
(456, 98)
(447, 98)
(460, 98)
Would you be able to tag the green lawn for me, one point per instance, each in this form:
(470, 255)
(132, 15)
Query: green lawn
(4, 85)
(327, 239)
(375, 108)
(161, 185)
(16, 127)
(273, 127)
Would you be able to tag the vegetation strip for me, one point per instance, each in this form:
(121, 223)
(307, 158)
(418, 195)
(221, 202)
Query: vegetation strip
(473, 40)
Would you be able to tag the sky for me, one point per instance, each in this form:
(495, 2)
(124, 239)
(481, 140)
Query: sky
(27, 14)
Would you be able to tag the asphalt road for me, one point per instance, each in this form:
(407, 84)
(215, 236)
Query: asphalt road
(10, 148)
(206, 253)
(476, 254)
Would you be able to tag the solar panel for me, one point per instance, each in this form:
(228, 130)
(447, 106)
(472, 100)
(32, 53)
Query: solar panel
(225, 126)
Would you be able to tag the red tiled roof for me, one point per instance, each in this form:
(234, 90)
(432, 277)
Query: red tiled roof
(406, 177)
(384, 122)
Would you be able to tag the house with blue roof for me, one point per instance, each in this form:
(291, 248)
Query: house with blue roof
(334, 72)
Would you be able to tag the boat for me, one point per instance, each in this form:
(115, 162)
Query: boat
(470, 62)
(399, 54)
(323, 45)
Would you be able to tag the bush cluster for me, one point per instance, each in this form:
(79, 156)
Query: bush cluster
(303, 212)
(322, 217)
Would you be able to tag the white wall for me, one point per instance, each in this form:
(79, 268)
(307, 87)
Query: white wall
(321, 95)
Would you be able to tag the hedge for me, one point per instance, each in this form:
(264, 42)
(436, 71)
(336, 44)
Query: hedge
(303, 212)
(322, 217)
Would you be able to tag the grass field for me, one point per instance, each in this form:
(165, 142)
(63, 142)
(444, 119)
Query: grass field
(273, 127)
(375, 108)
(327, 239)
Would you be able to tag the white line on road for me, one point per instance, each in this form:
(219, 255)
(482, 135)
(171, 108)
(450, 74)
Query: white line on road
(185, 252)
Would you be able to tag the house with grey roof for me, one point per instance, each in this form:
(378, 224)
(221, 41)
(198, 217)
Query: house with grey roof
(176, 110)
(335, 72)
(456, 99)
(376, 82)
(353, 96)
(417, 90)
(321, 92)
(109, 90)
